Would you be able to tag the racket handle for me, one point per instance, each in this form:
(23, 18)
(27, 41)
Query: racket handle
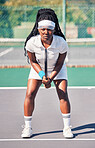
(46, 64)
(47, 86)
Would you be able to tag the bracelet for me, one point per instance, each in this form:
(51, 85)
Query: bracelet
(41, 74)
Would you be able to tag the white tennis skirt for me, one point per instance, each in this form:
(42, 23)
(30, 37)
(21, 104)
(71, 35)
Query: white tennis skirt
(61, 75)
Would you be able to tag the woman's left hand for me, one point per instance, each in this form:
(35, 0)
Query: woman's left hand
(46, 82)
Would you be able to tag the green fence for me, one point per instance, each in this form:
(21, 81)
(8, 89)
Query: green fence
(17, 22)
(80, 18)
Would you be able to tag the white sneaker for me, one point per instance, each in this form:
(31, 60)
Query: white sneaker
(68, 133)
(27, 132)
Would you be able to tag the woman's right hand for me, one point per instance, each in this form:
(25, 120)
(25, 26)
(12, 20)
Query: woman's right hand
(46, 82)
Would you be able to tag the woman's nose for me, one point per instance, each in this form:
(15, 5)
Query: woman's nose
(46, 31)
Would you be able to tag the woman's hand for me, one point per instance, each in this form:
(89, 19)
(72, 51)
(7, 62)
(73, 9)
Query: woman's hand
(46, 82)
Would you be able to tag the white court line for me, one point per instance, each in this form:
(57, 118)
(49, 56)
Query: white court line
(6, 51)
(69, 87)
(5, 140)
(13, 87)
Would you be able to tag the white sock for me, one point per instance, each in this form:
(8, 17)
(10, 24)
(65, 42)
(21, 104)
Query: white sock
(27, 120)
(66, 120)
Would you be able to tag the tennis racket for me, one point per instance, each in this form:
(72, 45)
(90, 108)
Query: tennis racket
(46, 63)
(46, 74)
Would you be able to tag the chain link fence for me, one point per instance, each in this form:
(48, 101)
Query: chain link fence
(17, 22)
(80, 19)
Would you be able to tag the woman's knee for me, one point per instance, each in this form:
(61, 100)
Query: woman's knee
(32, 88)
(29, 99)
(30, 94)
(63, 95)
(61, 87)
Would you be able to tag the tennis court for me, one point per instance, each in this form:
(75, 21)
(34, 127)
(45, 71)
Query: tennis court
(47, 121)
(77, 20)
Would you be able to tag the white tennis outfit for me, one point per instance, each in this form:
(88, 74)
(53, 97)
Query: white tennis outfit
(58, 45)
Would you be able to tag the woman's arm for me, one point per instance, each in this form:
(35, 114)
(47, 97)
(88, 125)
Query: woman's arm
(37, 67)
(34, 62)
(56, 69)
(58, 65)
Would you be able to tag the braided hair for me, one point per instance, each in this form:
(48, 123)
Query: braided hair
(45, 14)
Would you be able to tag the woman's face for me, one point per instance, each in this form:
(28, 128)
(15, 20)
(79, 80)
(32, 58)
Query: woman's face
(46, 34)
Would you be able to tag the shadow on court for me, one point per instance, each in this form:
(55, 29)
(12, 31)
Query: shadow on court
(45, 133)
(90, 129)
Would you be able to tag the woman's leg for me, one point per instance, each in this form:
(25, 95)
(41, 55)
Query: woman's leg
(61, 87)
(32, 89)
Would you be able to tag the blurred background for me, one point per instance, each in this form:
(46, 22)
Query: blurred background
(76, 18)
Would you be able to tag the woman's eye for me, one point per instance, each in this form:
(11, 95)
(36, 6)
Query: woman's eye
(43, 29)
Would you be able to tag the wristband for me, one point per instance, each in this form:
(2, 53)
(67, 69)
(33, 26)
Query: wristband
(41, 74)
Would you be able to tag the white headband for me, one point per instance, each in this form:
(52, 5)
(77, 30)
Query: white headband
(46, 24)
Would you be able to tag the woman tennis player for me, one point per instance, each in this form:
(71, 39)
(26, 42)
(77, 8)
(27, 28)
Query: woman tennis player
(47, 36)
